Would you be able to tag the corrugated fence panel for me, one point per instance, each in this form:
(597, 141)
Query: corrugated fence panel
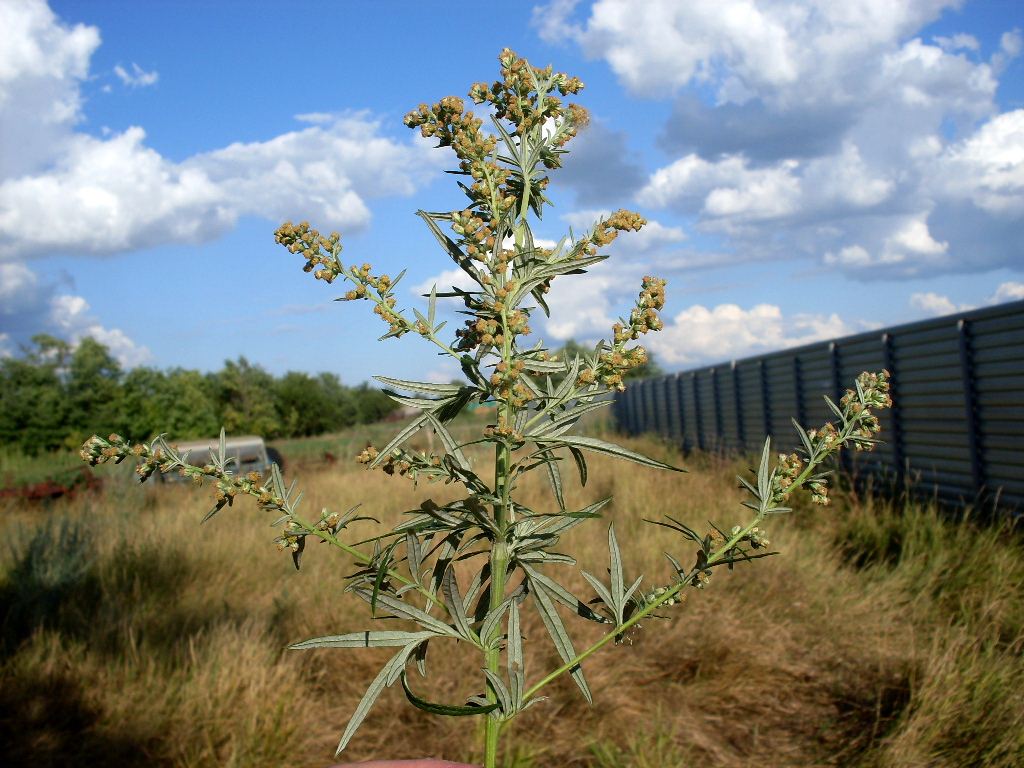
(956, 430)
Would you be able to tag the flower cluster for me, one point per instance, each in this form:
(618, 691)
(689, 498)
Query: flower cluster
(311, 244)
(515, 98)
(165, 458)
(613, 364)
(872, 392)
(788, 470)
(503, 430)
(522, 98)
(299, 238)
(489, 327)
(608, 229)
(407, 464)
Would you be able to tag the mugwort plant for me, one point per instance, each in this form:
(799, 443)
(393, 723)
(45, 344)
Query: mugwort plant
(409, 572)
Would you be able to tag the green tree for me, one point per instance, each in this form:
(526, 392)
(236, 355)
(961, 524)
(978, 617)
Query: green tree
(33, 402)
(311, 405)
(179, 402)
(246, 397)
(94, 391)
(372, 404)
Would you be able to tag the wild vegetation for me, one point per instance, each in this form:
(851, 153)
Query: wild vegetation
(464, 568)
(885, 635)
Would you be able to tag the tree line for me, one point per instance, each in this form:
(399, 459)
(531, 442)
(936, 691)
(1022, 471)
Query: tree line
(54, 396)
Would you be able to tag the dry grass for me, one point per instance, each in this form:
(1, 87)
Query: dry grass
(883, 635)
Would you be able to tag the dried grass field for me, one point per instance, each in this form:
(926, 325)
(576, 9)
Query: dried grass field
(884, 634)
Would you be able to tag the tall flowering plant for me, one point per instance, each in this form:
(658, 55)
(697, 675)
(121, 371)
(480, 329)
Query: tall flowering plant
(409, 572)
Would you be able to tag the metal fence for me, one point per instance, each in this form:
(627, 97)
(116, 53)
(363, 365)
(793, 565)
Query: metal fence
(956, 430)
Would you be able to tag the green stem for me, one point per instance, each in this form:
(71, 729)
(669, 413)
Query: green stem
(499, 569)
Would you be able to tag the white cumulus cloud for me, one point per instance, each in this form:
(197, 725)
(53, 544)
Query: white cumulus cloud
(825, 130)
(68, 192)
(699, 335)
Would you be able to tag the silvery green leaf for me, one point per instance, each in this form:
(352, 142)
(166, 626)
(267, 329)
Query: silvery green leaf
(403, 610)
(510, 143)
(611, 449)
(404, 434)
(391, 671)
(504, 695)
(553, 623)
(532, 386)
(413, 523)
(414, 553)
(746, 484)
(632, 590)
(519, 422)
(549, 271)
(420, 657)
(441, 514)
(561, 594)
(475, 586)
(615, 572)
(538, 296)
(419, 403)
(565, 386)
(449, 442)
(564, 421)
(515, 639)
(601, 589)
(765, 473)
(493, 618)
(554, 478)
(446, 551)
(370, 639)
(222, 449)
(834, 408)
(581, 464)
(543, 366)
(423, 387)
(543, 556)
(457, 609)
(452, 249)
(804, 439)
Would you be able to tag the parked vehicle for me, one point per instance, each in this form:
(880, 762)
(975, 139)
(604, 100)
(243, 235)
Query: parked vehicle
(249, 453)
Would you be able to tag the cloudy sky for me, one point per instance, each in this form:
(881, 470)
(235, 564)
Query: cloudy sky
(809, 169)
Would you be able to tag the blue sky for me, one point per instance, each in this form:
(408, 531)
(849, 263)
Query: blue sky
(808, 169)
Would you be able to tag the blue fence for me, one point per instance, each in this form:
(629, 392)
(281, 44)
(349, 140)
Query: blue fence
(956, 429)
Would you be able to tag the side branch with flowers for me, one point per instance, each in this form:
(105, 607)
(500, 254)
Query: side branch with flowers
(408, 572)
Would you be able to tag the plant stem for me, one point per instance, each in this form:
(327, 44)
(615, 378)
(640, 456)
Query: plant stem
(499, 570)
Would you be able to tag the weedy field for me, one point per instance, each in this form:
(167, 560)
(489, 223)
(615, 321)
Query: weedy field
(884, 634)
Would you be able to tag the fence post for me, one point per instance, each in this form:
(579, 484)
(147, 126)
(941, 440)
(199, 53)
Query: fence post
(766, 406)
(681, 393)
(696, 410)
(974, 435)
(898, 458)
(717, 400)
(740, 434)
(798, 391)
